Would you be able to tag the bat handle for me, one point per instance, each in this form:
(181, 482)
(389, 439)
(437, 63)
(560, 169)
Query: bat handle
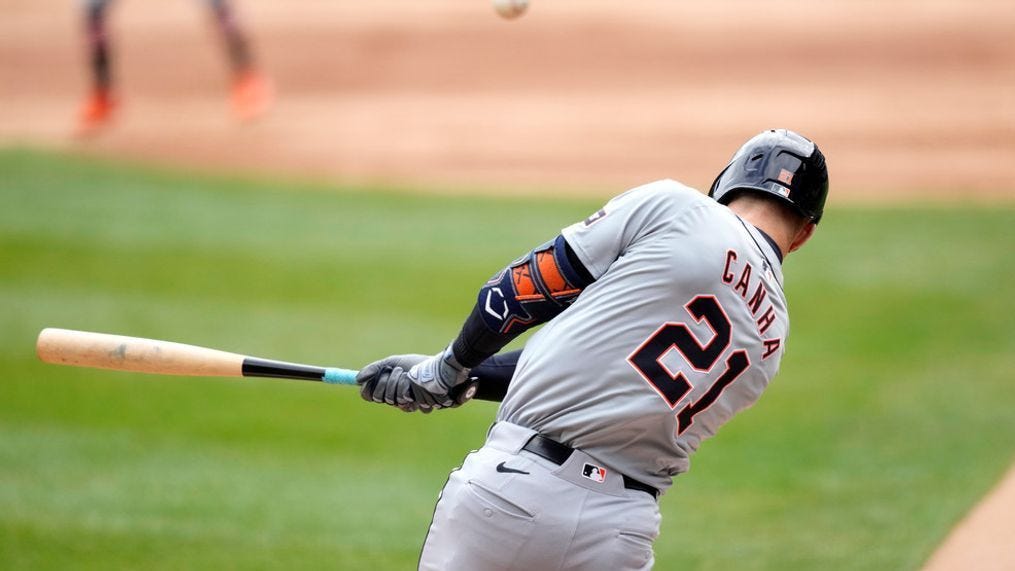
(461, 394)
(337, 376)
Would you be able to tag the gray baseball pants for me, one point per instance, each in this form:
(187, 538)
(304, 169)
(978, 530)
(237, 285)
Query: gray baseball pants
(506, 509)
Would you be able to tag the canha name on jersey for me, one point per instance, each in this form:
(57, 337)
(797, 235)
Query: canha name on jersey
(751, 288)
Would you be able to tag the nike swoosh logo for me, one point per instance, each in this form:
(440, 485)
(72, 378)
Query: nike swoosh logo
(504, 469)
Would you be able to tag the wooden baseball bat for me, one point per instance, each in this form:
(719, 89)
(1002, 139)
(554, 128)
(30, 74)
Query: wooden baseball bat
(140, 355)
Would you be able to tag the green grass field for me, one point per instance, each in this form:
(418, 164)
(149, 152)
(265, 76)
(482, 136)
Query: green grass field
(891, 417)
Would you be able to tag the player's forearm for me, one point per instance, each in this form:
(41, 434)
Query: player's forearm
(476, 342)
(531, 290)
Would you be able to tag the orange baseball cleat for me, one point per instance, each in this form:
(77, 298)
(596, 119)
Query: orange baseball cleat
(96, 112)
(252, 95)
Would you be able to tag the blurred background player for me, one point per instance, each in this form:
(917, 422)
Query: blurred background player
(251, 89)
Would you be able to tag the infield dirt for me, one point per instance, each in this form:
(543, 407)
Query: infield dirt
(907, 98)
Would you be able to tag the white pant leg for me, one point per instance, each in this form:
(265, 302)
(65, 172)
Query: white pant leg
(490, 520)
(485, 520)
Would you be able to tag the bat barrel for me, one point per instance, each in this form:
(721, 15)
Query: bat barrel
(136, 354)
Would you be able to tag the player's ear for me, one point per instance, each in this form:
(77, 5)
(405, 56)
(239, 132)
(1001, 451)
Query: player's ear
(802, 235)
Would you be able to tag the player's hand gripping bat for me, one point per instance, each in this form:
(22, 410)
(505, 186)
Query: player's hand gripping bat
(136, 354)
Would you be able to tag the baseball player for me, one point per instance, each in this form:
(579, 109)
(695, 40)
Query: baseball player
(664, 315)
(251, 90)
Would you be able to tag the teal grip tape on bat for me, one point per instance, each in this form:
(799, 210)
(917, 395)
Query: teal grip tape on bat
(336, 376)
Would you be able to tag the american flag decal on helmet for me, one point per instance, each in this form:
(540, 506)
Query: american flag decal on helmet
(786, 177)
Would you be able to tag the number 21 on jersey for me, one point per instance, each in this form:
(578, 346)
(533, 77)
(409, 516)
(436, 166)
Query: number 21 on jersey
(648, 359)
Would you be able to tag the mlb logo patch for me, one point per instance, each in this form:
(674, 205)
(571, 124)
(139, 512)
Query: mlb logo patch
(595, 217)
(595, 473)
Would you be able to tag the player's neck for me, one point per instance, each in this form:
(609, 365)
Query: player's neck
(768, 222)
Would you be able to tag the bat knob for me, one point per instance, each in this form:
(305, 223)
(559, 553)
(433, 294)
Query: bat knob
(464, 392)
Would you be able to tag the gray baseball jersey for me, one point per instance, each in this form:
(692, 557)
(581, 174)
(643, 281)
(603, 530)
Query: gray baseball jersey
(684, 326)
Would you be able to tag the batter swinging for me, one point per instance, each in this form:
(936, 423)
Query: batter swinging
(664, 316)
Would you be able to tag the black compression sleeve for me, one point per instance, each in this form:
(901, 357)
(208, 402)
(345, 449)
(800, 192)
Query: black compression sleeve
(530, 291)
(476, 341)
(576, 264)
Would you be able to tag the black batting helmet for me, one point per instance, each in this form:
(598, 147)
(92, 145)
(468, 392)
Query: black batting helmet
(779, 163)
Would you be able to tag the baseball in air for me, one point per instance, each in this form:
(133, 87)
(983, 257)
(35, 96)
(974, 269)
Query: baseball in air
(510, 8)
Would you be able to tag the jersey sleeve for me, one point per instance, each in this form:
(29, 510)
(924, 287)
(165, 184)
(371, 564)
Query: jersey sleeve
(605, 235)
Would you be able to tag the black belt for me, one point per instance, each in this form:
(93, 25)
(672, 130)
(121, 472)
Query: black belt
(559, 453)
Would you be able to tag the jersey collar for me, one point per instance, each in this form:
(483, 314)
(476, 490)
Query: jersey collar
(770, 268)
(771, 242)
